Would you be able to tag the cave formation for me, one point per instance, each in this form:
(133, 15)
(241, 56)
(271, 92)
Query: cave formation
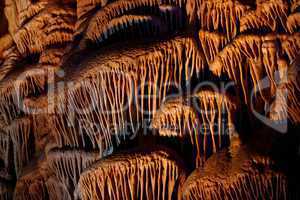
(149, 99)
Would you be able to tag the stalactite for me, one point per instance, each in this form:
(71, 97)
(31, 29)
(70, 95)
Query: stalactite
(46, 30)
(21, 136)
(186, 118)
(125, 21)
(11, 56)
(70, 128)
(268, 14)
(103, 17)
(260, 56)
(139, 175)
(290, 45)
(236, 174)
(257, 56)
(221, 15)
(63, 152)
(29, 41)
(68, 165)
(168, 119)
(110, 88)
(192, 10)
(230, 59)
(293, 22)
(212, 43)
(286, 104)
(15, 87)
